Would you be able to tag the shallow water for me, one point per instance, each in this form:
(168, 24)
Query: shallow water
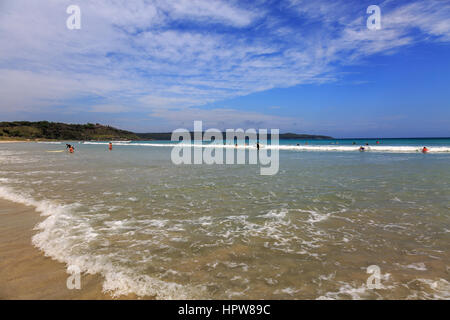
(224, 231)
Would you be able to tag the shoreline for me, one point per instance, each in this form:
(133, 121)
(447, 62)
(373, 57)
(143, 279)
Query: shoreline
(26, 273)
(13, 141)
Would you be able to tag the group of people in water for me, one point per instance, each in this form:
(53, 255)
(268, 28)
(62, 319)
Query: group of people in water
(362, 149)
(366, 146)
(257, 145)
(71, 148)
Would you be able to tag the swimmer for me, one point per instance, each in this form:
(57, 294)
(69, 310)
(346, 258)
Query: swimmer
(354, 142)
(362, 149)
(110, 146)
(367, 143)
(425, 150)
(71, 149)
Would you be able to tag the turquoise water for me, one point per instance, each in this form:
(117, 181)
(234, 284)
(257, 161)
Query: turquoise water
(429, 142)
(226, 232)
(419, 142)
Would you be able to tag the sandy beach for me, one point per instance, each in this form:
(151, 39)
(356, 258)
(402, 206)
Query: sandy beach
(12, 141)
(25, 273)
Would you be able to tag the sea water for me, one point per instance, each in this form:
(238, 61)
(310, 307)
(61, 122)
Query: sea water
(153, 228)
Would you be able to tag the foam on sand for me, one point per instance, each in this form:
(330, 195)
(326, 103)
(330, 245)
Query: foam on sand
(57, 239)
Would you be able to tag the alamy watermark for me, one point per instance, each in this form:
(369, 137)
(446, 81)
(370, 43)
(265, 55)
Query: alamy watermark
(374, 20)
(73, 22)
(374, 281)
(74, 280)
(234, 150)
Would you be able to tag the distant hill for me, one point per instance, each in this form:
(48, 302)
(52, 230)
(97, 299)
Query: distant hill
(61, 131)
(303, 136)
(44, 130)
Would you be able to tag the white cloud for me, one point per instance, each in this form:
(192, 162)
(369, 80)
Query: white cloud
(158, 56)
(108, 108)
(213, 10)
(222, 118)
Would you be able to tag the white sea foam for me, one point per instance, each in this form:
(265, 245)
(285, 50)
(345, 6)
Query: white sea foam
(440, 288)
(357, 293)
(346, 290)
(336, 148)
(56, 239)
(314, 215)
(420, 266)
(49, 142)
(290, 291)
(273, 214)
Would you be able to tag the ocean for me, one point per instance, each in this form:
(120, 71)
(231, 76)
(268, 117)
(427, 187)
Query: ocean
(311, 231)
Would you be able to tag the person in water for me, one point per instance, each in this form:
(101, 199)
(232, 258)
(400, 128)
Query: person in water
(71, 149)
(425, 150)
(110, 146)
(362, 149)
(257, 145)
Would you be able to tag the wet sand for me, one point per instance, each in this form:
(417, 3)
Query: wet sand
(25, 272)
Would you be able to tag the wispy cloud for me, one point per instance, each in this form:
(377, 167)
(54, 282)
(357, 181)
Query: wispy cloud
(221, 118)
(168, 58)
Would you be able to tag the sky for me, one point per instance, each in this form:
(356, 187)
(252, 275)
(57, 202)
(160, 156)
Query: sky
(298, 66)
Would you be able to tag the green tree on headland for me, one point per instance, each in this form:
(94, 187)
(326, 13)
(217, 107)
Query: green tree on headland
(62, 131)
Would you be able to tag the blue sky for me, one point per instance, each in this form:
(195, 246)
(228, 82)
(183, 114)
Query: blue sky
(300, 66)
